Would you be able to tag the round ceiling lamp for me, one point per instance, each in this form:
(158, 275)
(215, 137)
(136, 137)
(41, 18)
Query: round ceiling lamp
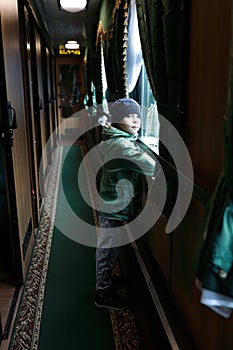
(71, 45)
(73, 5)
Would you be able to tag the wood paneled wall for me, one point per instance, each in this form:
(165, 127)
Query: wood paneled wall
(15, 94)
(208, 69)
(209, 54)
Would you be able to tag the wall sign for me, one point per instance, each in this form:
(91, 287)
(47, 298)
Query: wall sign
(67, 52)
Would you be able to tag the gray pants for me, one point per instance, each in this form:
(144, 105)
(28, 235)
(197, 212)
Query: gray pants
(106, 258)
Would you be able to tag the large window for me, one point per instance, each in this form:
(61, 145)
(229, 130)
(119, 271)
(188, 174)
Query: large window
(150, 120)
(138, 86)
(138, 83)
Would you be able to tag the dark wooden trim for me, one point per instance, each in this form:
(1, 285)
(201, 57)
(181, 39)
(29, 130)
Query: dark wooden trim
(52, 93)
(38, 22)
(11, 313)
(28, 113)
(46, 98)
(36, 100)
(6, 141)
(27, 238)
(1, 332)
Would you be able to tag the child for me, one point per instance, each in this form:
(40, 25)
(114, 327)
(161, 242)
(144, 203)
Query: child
(123, 199)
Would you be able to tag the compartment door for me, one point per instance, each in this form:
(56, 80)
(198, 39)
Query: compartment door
(10, 256)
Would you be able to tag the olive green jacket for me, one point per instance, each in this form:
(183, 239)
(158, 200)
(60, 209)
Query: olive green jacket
(124, 165)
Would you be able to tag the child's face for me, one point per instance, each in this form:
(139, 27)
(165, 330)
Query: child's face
(131, 123)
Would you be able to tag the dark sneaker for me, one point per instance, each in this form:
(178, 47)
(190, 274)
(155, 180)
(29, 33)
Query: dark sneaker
(110, 300)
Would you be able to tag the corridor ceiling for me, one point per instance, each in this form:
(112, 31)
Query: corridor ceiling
(63, 25)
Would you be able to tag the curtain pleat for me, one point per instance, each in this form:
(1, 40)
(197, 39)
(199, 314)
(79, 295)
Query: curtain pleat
(112, 35)
(161, 27)
(134, 50)
(120, 41)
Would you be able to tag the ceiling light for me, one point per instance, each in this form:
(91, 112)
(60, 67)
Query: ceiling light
(73, 5)
(71, 45)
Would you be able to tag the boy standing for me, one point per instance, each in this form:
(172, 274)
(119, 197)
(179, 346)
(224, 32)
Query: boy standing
(120, 188)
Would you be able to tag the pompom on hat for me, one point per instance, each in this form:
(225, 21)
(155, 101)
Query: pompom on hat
(123, 107)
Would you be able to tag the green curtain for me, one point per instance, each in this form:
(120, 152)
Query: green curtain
(161, 27)
(96, 69)
(93, 63)
(104, 37)
(150, 29)
(111, 35)
(120, 39)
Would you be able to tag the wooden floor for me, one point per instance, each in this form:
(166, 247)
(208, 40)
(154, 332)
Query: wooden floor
(6, 296)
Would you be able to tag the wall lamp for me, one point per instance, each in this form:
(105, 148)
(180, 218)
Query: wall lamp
(73, 5)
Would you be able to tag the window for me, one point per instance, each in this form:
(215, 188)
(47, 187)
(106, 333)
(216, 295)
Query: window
(138, 83)
(138, 86)
(150, 121)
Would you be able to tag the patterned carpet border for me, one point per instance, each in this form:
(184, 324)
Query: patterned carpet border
(26, 330)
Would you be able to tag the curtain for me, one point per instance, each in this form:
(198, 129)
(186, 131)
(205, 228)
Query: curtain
(134, 50)
(161, 27)
(104, 36)
(150, 29)
(112, 35)
(120, 43)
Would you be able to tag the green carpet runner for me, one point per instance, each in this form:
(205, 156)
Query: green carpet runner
(70, 319)
(57, 309)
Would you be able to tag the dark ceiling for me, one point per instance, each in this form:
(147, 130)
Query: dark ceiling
(62, 25)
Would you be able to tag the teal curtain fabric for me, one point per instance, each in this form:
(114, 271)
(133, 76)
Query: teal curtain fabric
(119, 52)
(134, 49)
(93, 64)
(214, 212)
(96, 67)
(100, 36)
(111, 34)
(105, 37)
(151, 33)
(162, 33)
(173, 38)
(161, 26)
(222, 252)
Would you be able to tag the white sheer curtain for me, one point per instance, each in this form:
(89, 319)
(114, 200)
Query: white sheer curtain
(134, 51)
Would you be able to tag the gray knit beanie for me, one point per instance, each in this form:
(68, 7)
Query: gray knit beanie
(123, 107)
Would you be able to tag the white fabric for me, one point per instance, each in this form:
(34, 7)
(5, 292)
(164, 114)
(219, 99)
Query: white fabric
(219, 303)
(134, 51)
